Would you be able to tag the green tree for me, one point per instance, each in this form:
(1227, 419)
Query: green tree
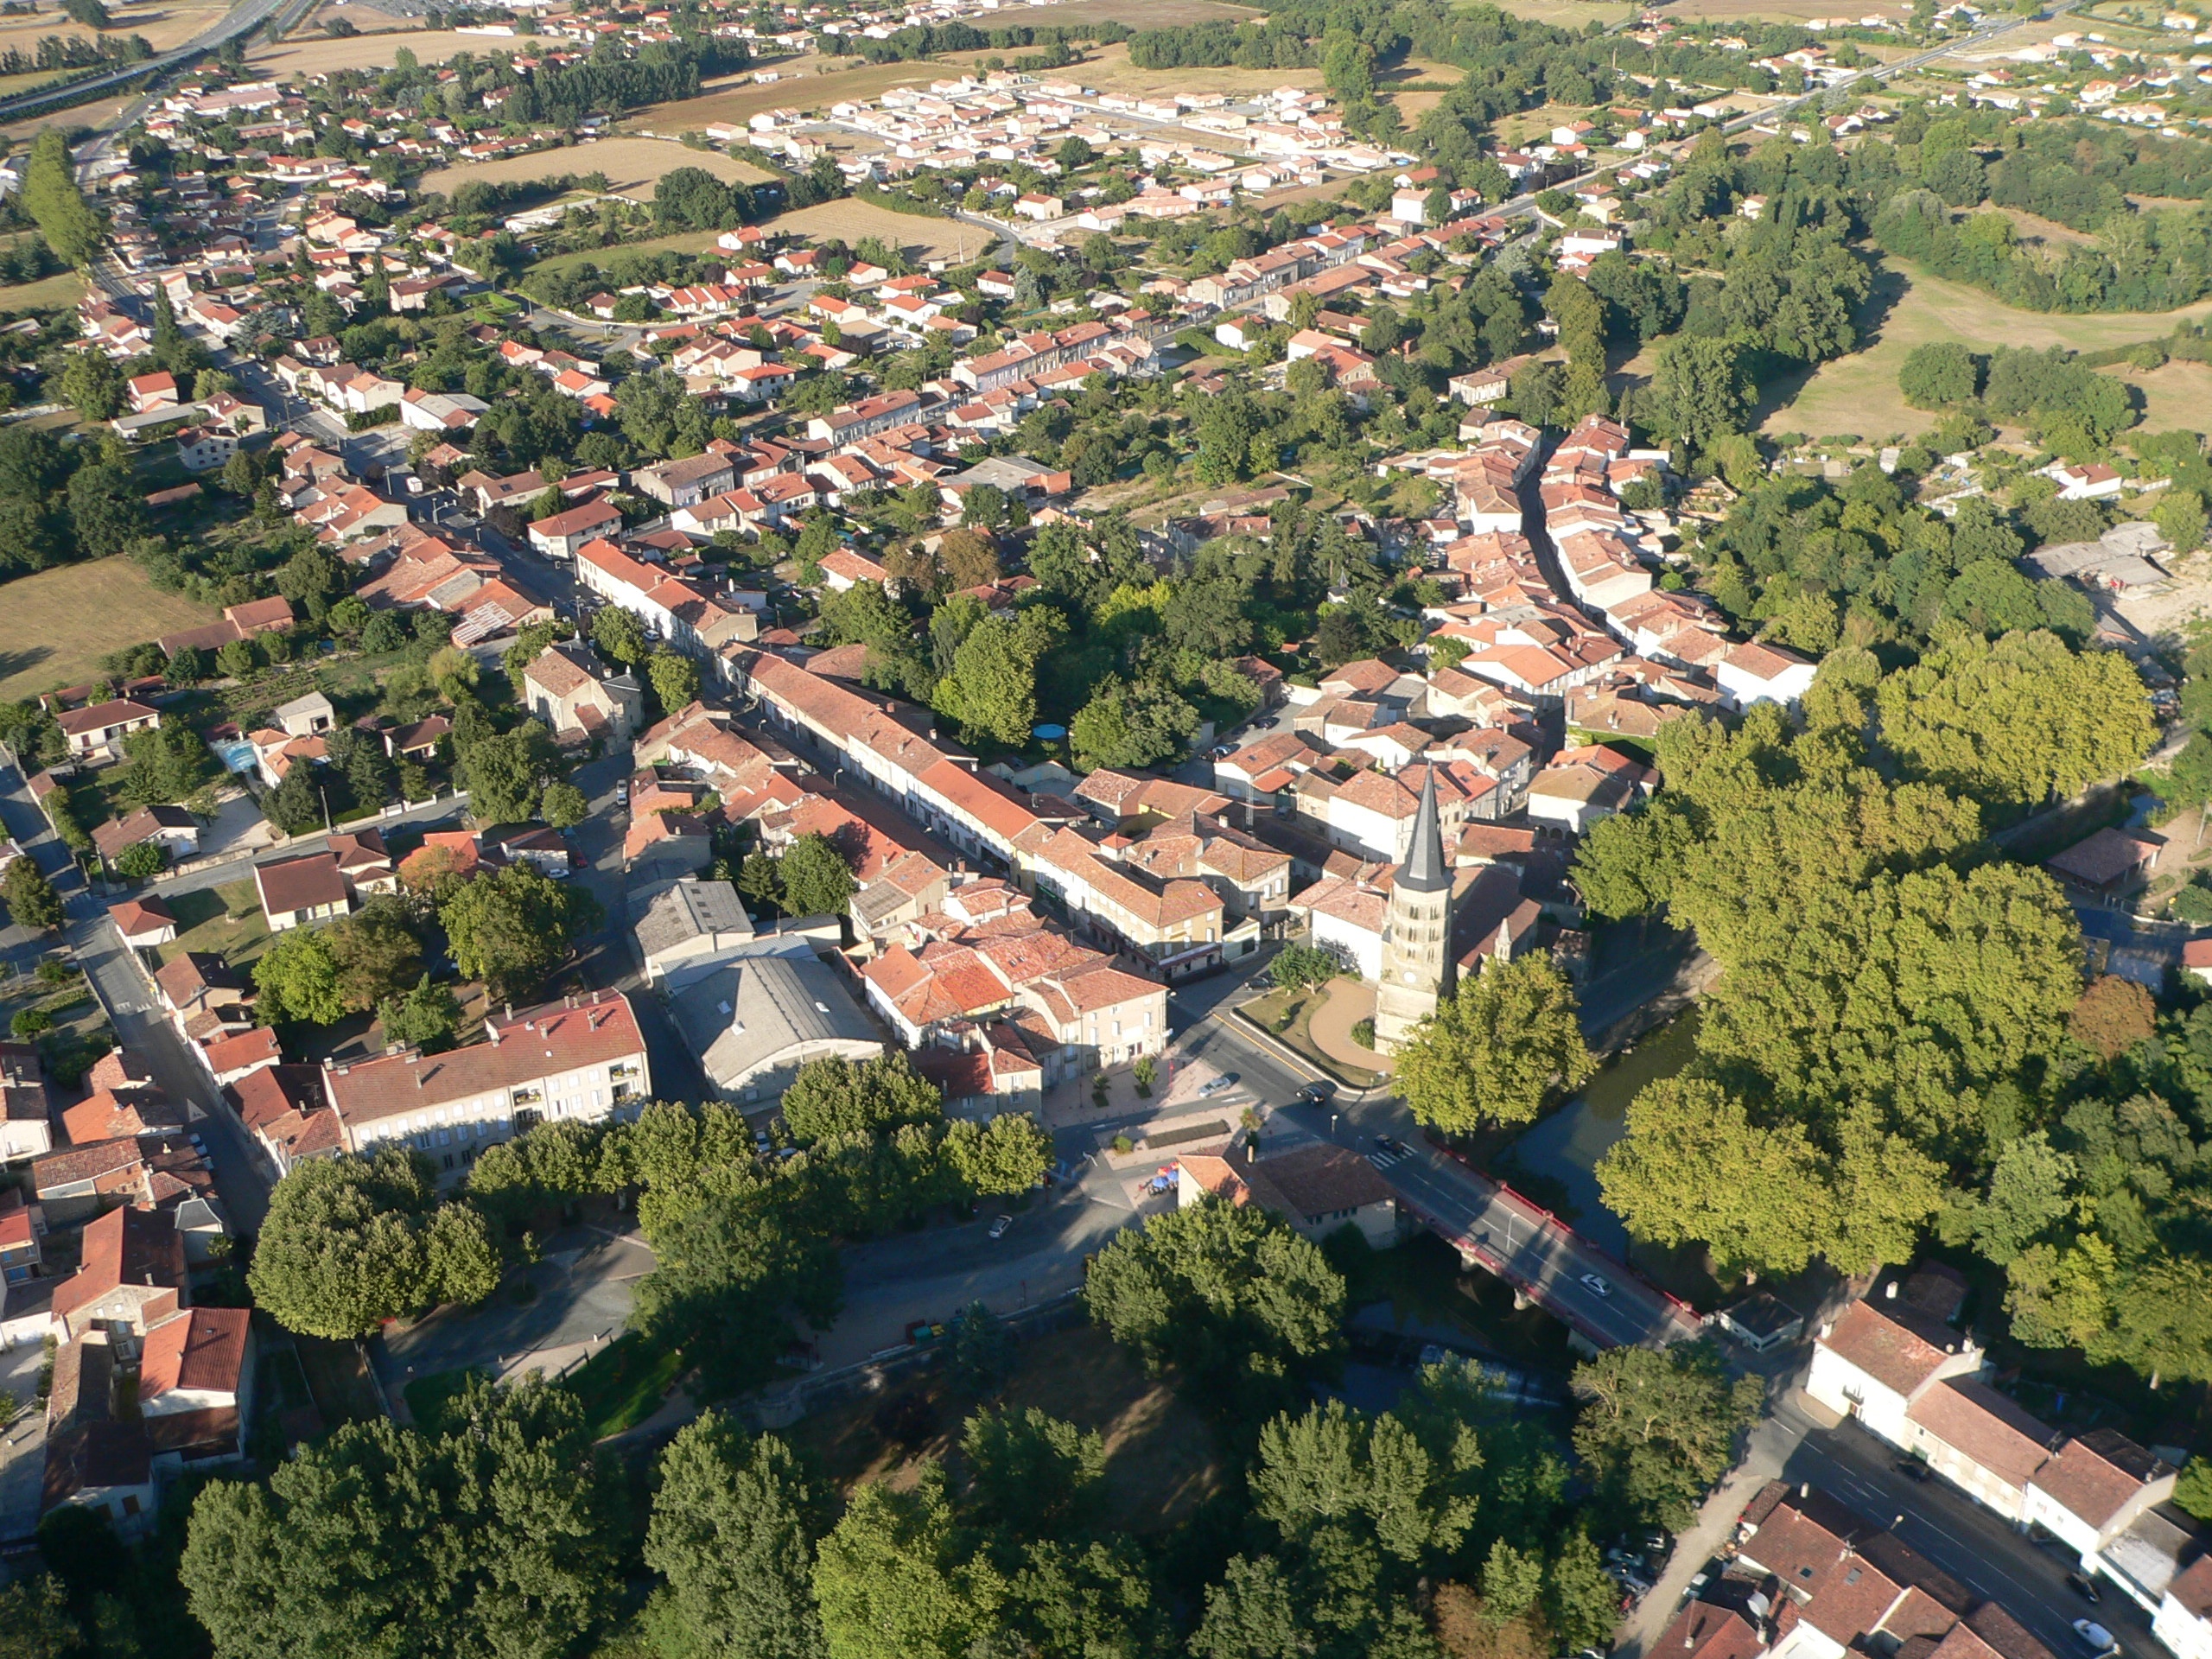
(892, 1583)
(1231, 1295)
(377, 951)
(1692, 1165)
(512, 928)
(1700, 385)
(729, 1536)
(992, 689)
(1939, 375)
(137, 863)
(342, 1248)
(1657, 1428)
(32, 901)
(563, 805)
(815, 878)
(67, 220)
(1008, 1156)
(1132, 725)
(297, 977)
(619, 636)
(423, 1016)
(35, 1622)
(493, 1534)
(505, 774)
(2020, 719)
(1496, 1047)
(1029, 1472)
(832, 1097)
(1582, 1602)
(675, 677)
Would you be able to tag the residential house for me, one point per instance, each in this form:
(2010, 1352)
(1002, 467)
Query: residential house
(583, 1058)
(297, 891)
(1318, 1189)
(566, 689)
(96, 732)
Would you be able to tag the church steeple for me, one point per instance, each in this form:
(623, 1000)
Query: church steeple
(1425, 870)
(1417, 938)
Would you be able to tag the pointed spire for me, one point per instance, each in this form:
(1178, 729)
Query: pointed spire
(1425, 870)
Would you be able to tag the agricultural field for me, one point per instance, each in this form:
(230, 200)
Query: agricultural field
(63, 288)
(916, 237)
(55, 625)
(163, 25)
(632, 166)
(83, 117)
(2177, 396)
(308, 55)
(1859, 393)
(681, 242)
(814, 85)
(1137, 14)
(1778, 10)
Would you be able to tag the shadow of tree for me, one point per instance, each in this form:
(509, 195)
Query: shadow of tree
(13, 662)
(1889, 285)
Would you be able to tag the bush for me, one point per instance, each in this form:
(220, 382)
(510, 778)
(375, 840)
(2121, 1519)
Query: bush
(29, 1022)
(141, 861)
(1363, 1035)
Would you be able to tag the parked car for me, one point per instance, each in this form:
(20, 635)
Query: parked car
(2095, 1636)
(2084, 1586)
(621, 794)
(1914, 1468)
(999, 1227)
(1596, 1286)
(1226, 1080)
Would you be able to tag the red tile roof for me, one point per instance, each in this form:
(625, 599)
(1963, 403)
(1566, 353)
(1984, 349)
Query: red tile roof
(201, 1350)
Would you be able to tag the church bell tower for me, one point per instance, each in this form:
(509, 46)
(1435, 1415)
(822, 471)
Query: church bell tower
(1417, 939)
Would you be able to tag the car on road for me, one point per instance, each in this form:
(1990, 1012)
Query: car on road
(1913, 1469)
(2095, 1636)
(1316, 1094)
(999, 1227)
(1596, 1286)
(2084, 1586)
(1226, 1080)
(1384, 1143)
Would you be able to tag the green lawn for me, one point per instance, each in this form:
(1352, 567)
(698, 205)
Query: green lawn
(624, 1383)
(224, 921)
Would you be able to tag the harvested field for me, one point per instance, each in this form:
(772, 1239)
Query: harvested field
(1859, 393)
(163, 25)
(81, 118)
(1784, 9)
(2176, 397)
(811, 87)
(1137, 14)
(1570, 14)
(310, 56)
(63, 288)
(632, 166)
(919, 237)
(55, 625)
(682, 242)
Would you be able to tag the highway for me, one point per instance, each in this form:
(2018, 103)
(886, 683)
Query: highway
(241, 19)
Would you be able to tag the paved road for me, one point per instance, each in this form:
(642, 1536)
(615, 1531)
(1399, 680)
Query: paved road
(240, 20)
(1957, 1535)
(238, 867)
(242, 1176)
(1510, 1237)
